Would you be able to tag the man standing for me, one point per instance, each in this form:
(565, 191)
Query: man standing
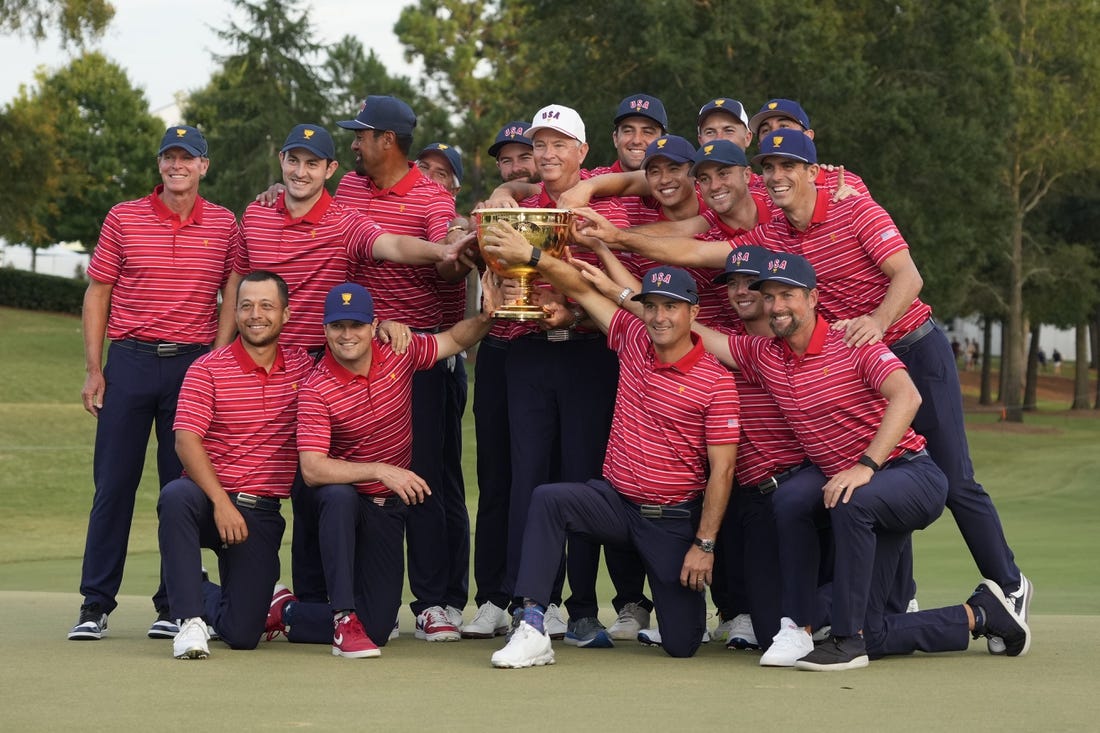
(669, 464)
(154, 281)
(235, 437)
(392, 191)
(355, 443)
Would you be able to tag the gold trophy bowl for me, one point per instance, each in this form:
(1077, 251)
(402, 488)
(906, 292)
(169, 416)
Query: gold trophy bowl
(547, 229)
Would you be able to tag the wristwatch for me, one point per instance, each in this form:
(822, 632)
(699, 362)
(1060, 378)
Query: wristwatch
(704, 545)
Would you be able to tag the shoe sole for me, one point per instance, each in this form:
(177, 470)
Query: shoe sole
(540, 661)
(738, 643)
(622, 634)
(86, 636)
(365, 654)
(858, 663)
(559, 636)
(498, 631)
(162, 634)
(194, 654)
(441, 636)
(996, 592)
(600, 641)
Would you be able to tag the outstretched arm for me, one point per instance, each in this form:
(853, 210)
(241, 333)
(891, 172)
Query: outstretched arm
(681, 251)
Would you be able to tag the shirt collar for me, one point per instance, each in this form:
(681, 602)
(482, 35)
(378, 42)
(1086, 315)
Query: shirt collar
(686, 362)
(165, 214)
(313, 216)
(406, 184)
(341, 373)
(248, 365)
(817, 341)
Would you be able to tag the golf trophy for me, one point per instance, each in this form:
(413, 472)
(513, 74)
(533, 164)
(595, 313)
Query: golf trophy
(547, 229)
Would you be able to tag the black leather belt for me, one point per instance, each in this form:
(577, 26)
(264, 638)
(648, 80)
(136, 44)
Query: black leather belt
(909, 455)
(684, 510)
(563, 334)
(163, 349)
(434, 329)
(771, 484)
(386, 502)
(910, 339)
(251, 501)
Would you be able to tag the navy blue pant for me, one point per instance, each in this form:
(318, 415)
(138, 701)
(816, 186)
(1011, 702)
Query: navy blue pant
(597, 511)
(749, 539)
(427, 529)
(363, 549)
(800, 514)
(870, 532)
(249, 570)
(141, 392)
(454, 487)
(559, 395)
(939, 419)
(306, 567)
(494, 473)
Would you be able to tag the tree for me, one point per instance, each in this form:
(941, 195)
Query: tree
(102, 150)
(1050, 133)
(77, 20)
(261, 91)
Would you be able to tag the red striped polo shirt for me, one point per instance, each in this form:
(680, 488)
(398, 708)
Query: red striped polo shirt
(768, 445)
(246, 416)
(720, 230)
(364, 419)
(165, 272)
(665, 417)
(415, 206)
(639, 210)
(829, 396)
(610, 208)
(846, 242)
(312, 253)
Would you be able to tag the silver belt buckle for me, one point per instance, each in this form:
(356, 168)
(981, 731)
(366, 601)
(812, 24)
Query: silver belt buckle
(167, 349)
(557, 334)
(246, 500)
(651, 511)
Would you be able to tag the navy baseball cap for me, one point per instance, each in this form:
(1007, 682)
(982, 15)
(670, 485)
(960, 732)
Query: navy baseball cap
(673, 147)
(186, 137)
(382, 113)
(722, 152)
(723, 104)
(786, 143)
(642, 105)
(453, 158)
(671, 282)
(513, 132)
(747, 260)
(780, 108)
(313, 138)
(784, 267)
(349, 302)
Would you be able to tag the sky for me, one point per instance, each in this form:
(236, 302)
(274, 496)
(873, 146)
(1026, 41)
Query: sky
(167, 46)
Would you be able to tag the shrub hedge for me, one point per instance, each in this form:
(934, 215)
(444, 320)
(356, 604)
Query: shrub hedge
(37, 292)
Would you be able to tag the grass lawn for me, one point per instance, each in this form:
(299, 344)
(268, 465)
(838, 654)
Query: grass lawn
(1041, 476)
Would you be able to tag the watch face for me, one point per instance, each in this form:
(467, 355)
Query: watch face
(705, 545)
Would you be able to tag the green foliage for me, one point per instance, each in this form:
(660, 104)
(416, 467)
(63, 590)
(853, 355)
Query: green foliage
(77, 21)
(85, 140)
(263, 89)
(37, 292)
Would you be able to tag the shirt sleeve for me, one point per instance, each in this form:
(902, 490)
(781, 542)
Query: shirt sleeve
(195, 406)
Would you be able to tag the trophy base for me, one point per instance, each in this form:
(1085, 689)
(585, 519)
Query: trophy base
(519, 313)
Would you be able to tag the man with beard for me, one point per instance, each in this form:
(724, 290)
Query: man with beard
(235, 437)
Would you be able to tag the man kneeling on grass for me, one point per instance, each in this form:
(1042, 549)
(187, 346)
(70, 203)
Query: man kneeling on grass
(669, 463)
(235, 437)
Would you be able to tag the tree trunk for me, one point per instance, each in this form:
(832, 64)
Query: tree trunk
(1012, 349)
(986, 397)
(1001, 368)
(1031, 387)
(1081, 369)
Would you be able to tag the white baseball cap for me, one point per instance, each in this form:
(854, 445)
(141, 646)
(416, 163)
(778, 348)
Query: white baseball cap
(558, 117)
